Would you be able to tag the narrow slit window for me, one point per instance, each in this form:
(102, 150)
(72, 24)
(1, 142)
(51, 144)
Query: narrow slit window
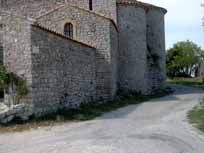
(68, 30)
(90, 4)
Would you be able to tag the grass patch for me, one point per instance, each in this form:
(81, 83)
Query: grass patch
(193, 82)
(196, 117)
(83, 113)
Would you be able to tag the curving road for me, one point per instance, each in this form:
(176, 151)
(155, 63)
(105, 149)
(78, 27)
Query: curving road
(158, 126)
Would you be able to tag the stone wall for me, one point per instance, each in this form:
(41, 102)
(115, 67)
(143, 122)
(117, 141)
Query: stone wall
(106, 7)
(35, 8)
(114, 57)
(57, 70)
(17, 48)
(103, 7)
(63, 71)
(156, 48)
(1, 40)
(93, 30)
(30, 8)
(132, 48)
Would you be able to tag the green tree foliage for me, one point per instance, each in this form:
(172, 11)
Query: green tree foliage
(4, 79)
(11, 80)
(184, 59)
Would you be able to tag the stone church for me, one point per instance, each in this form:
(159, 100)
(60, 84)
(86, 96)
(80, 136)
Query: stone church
(77, 51)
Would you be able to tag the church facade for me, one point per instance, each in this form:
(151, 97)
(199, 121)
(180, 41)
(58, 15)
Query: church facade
(78, 51)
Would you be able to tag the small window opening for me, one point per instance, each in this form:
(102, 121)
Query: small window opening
(68, 30)
(90, 4)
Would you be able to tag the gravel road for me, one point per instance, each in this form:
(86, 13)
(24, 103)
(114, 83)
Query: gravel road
(158, 126)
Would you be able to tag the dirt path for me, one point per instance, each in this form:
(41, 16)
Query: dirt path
(159, 126)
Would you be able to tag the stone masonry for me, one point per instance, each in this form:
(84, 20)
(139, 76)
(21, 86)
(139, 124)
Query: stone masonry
(63, 71)
(141, 46)
(119, 45)
(1, 43)
(93, 30)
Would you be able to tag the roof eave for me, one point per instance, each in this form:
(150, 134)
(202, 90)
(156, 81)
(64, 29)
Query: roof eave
(146, 6)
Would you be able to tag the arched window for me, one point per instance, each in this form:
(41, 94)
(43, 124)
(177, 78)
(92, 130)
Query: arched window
(90, 4)
(68, 30)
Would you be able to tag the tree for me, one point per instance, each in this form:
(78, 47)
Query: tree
(184, 59)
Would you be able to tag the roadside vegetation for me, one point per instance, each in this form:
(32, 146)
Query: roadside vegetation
(192, 82)
(196, 117)
(83, 113)
(185, 59)
(185, 66)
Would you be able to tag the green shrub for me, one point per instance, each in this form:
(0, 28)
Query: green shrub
(11, 79)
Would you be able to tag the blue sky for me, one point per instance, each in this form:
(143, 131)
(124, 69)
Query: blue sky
(183, 20)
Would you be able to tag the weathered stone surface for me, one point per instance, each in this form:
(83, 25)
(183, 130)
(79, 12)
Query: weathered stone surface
(106, 8)
(1, 42)
(141, 48)
(17, 47)
(156, 64)
(20, 111)
(94, 30)
(132, 48)
(102, 57)
(3, 107)
(63, 71)
(30, 8)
